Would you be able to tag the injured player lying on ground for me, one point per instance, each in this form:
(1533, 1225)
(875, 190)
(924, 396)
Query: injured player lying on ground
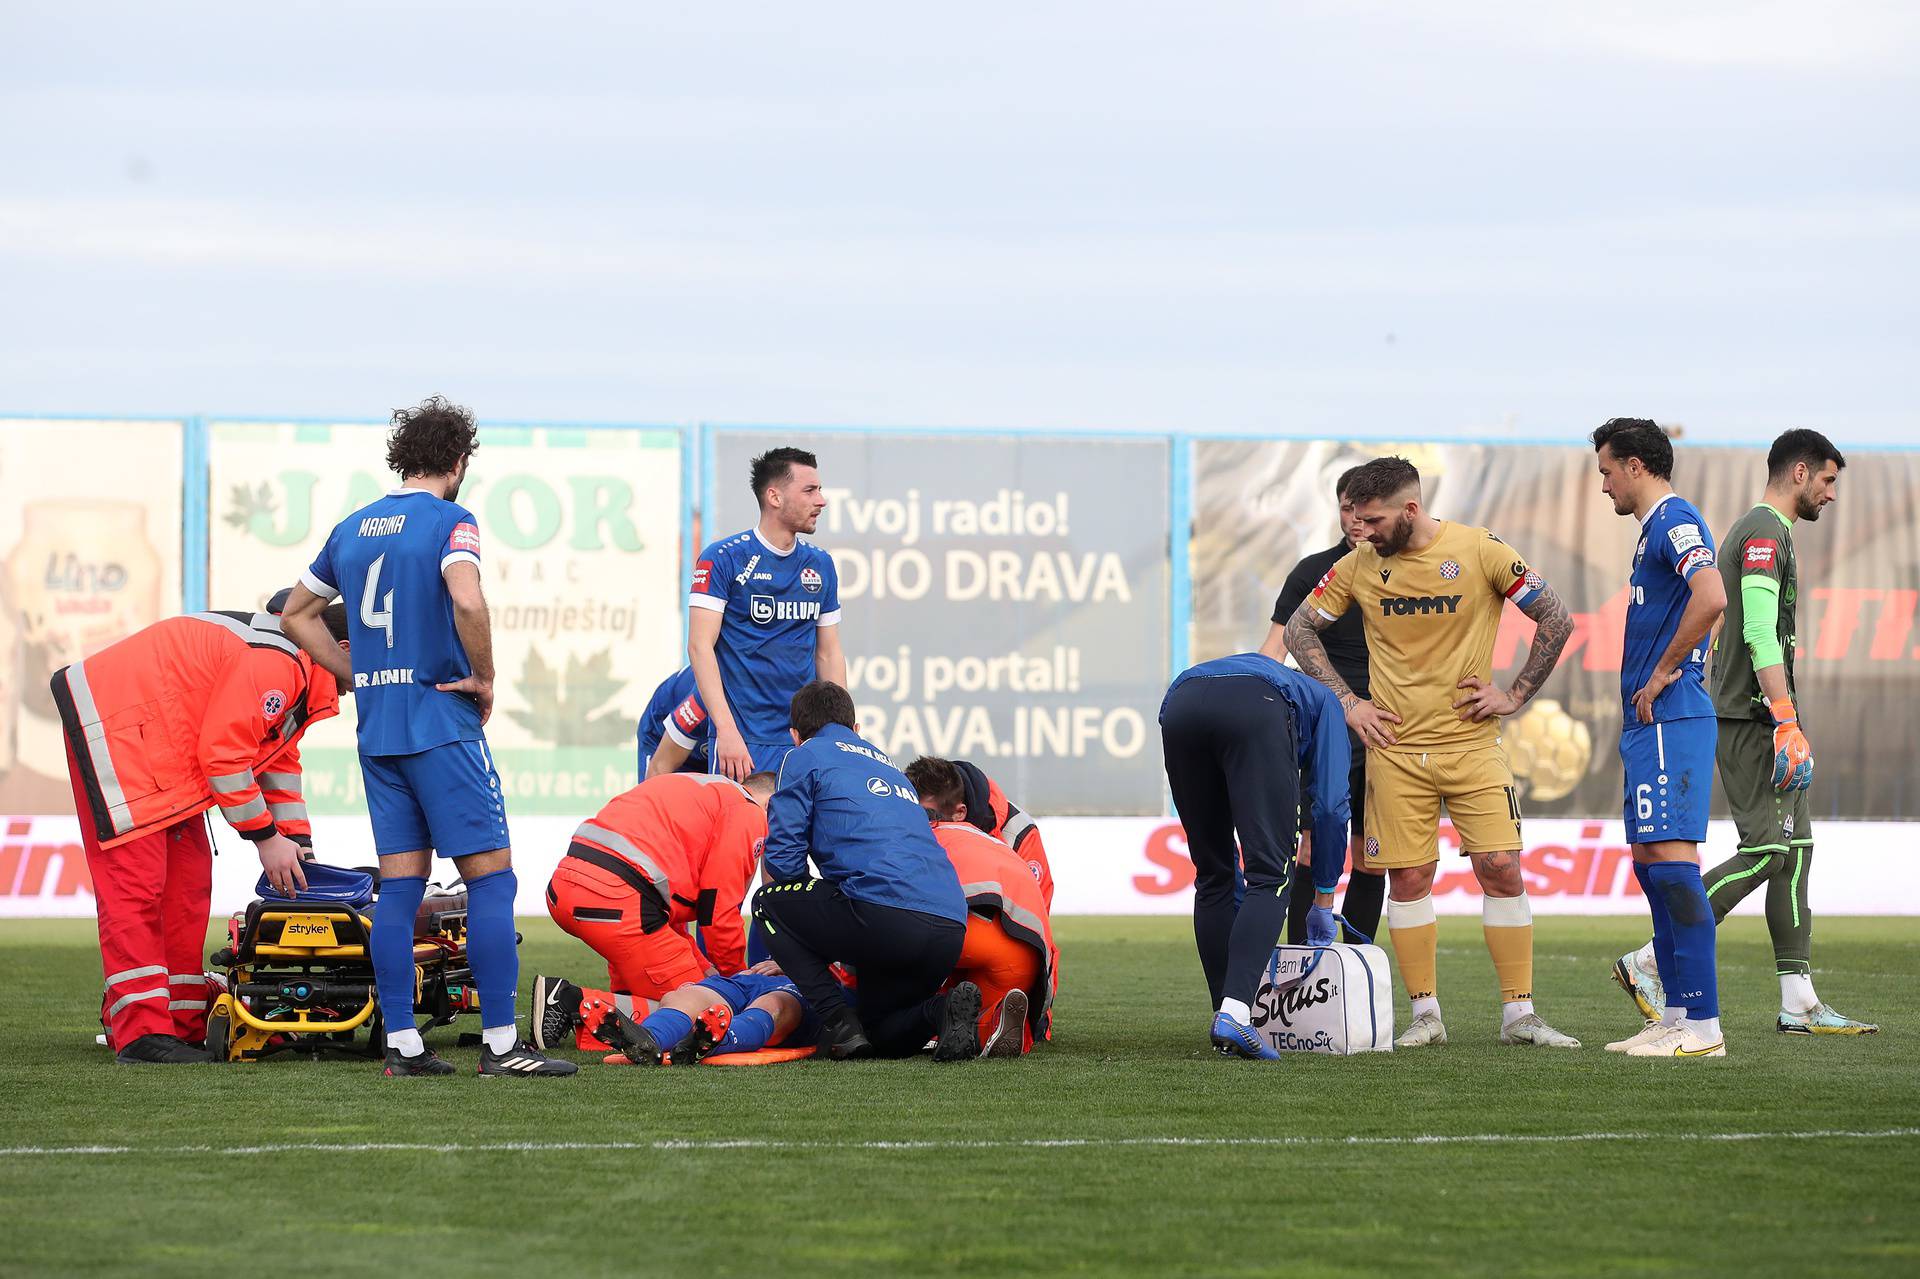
(754, 1017)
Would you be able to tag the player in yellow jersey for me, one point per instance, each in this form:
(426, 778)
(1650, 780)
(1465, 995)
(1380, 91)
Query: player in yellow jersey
(1429, 594)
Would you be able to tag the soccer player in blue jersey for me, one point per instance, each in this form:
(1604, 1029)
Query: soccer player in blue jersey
(765, 615)
(673, 728)
(1668, 734)
(408, 566)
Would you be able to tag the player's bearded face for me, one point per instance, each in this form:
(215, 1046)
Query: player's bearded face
(459, 475)
(1392, 538)
(1817, 492)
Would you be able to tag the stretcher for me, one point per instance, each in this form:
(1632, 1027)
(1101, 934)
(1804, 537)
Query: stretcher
(299, 970)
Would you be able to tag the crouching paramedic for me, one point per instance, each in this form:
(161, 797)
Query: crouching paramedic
(674, 851)
(1008, 952)
(192, 713)
(888, 902)
(976, 799)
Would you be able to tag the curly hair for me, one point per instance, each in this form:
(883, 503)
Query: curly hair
(431, 438)
(1640, 437)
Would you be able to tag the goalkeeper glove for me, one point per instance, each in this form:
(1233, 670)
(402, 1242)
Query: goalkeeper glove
(1320, 926)
(1792, 755)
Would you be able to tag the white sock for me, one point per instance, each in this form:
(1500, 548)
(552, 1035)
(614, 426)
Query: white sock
(500, 1038)
(1237, 1010)
(1426, 1004)
(1645, 960)
(1513, 1010)
(407, 1042)
(1672, 1015)
(1708, 1030)
(1796, 993)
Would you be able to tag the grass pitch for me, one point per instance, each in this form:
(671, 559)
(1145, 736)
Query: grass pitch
(1125, 1145)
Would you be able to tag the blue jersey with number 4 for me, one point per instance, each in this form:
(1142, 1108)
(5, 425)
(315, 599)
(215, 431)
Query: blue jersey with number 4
(771, 604)
(1675, 543)
(385, 562)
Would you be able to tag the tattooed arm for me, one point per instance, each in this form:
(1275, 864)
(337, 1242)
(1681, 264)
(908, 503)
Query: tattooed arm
(1553, 628)
(1304, 642)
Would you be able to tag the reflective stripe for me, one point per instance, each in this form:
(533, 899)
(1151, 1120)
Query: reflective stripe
(130, 999)
(255, 807)
(291, 812)
(119, 812)
(1018, 824)
(185, 1005)
(187, 979)
(263, 631)
(623, 1003)
(992, 891)
(628, 849)
(128, 974)
(232, 783)
(280, 781)
(709, 779)
(1023, 926)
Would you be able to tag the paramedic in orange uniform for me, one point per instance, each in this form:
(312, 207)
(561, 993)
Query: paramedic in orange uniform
(976, 799)
(677, 850)
(1008, 952)
(191, 713)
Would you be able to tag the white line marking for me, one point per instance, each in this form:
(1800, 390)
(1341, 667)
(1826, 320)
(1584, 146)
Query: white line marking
(1033, 1143)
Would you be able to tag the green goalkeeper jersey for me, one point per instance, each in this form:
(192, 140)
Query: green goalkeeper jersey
(1761, 574)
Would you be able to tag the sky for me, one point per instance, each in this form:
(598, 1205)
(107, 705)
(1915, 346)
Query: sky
(1484, 218)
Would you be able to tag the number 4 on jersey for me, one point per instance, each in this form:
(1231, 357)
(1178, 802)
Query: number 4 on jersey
(374, 618)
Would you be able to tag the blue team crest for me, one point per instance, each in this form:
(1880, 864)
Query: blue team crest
(810, 580)
(1450, 570)
(1373, 846)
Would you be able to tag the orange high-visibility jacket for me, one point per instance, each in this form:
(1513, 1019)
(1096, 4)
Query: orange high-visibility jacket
(989, 809)
(696, 839)
(999, 884)
(191, 713)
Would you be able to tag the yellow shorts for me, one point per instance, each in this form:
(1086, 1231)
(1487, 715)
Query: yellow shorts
(1406, 789)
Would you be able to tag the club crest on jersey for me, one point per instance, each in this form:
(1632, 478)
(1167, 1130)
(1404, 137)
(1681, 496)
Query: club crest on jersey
(1450, 570)
(273, 703)
(1373, 846)
(810, 580)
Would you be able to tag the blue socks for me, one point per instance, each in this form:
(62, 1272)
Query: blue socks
(751, 1031)
(491, 948)
(1662, 933)
(1692, 982)
(392, 943)
(668, 1026)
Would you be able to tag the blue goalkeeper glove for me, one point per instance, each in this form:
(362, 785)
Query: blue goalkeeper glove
(1321, 930)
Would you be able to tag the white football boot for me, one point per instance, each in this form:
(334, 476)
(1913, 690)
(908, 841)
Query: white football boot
(1531, 1030)
(1426, 1029)
(1645, 1035)
(1678, 1041)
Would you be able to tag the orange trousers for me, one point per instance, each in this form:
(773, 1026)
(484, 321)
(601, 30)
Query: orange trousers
(997, 964)
(603, 910)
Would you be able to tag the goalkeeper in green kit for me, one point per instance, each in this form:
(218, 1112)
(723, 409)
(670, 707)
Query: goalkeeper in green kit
(1764, 759)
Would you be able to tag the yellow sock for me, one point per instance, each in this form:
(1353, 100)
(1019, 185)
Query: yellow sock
(1416, 945)
(1508, 924)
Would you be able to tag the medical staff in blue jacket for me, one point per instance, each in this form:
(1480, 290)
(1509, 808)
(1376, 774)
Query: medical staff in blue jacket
(1238, 732)
(886, 903)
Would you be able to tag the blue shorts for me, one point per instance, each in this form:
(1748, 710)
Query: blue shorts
(767, 756)
(1669, 779)
(447, 799)
(741, 989)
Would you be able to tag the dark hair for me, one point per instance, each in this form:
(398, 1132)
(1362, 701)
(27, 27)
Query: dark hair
(334, 615)
(1639, 437)
(819, 704)
(1801, 445)
(938, 782)
(1382, 478)
(775, 465)
(430, 438)
(1345, 482)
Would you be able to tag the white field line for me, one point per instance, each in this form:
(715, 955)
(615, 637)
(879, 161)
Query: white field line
(1035, 1143)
